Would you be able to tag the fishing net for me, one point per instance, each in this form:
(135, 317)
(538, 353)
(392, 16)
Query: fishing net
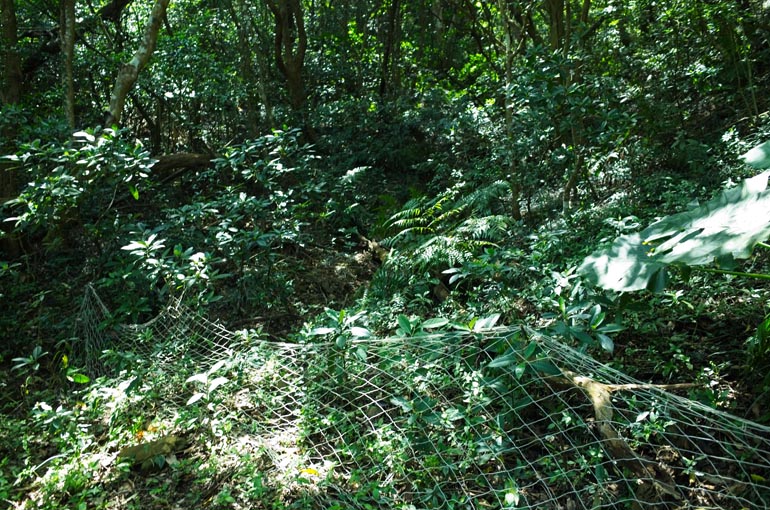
(504, 418)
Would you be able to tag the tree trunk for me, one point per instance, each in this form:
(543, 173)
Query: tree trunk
(511, 32)
(10, 92)
(246, 65)
(130, 72)
(290, 46)
(391, 45)
(68, 49)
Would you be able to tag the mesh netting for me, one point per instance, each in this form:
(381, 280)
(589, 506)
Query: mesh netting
(500, 419)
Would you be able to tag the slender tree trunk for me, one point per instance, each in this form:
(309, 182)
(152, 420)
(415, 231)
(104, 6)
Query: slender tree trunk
(11, 81)
(130, 72)
(68, 50)
(290, 46)
(391, 44)
(511, 32)
(246, 64)
(10, 92)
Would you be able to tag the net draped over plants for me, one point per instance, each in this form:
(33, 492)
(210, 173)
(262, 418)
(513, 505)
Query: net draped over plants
(505, 418)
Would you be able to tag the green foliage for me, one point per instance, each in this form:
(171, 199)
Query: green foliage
(723, 229)
(758, 157)
(450, 229)
(759, 352)
(208, 384)
(78, 181)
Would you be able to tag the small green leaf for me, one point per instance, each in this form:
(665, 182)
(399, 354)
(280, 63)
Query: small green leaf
(134, 192)
(597, 316)
(84, 134)
(401, 402)
(405, 324)
(520, 370)
(78, 378)
(453, 414)
(606, 342)
(341, 342)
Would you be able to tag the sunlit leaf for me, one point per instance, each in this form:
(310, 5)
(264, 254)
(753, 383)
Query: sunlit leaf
(435, 323)
(486, 322)
(216, 383)
(195, 398)
(758, 157)
(201, 378)
(321, 331)
(725, 228)
(360, 332)
(78, 378)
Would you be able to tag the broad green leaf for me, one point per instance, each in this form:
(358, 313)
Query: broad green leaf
(405, 324)
(216, 366)
(530, 350)
(358, 332)
(546, 367)
(520, 370)
(758, 157)
(503, 361)
(435, 323)
(606, 342)
(216, 383)
(486, 322)
(195, 398)
(725, 228)
(611, 328)
(581, 335)
(201, 378)
(134, 245)
(78, 378)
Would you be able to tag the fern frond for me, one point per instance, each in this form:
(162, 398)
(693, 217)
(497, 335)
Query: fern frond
(493, 228)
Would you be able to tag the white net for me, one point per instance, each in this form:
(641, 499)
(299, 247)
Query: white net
(502, 419)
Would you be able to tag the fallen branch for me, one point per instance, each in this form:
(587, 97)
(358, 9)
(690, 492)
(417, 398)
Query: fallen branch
(644, 469)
